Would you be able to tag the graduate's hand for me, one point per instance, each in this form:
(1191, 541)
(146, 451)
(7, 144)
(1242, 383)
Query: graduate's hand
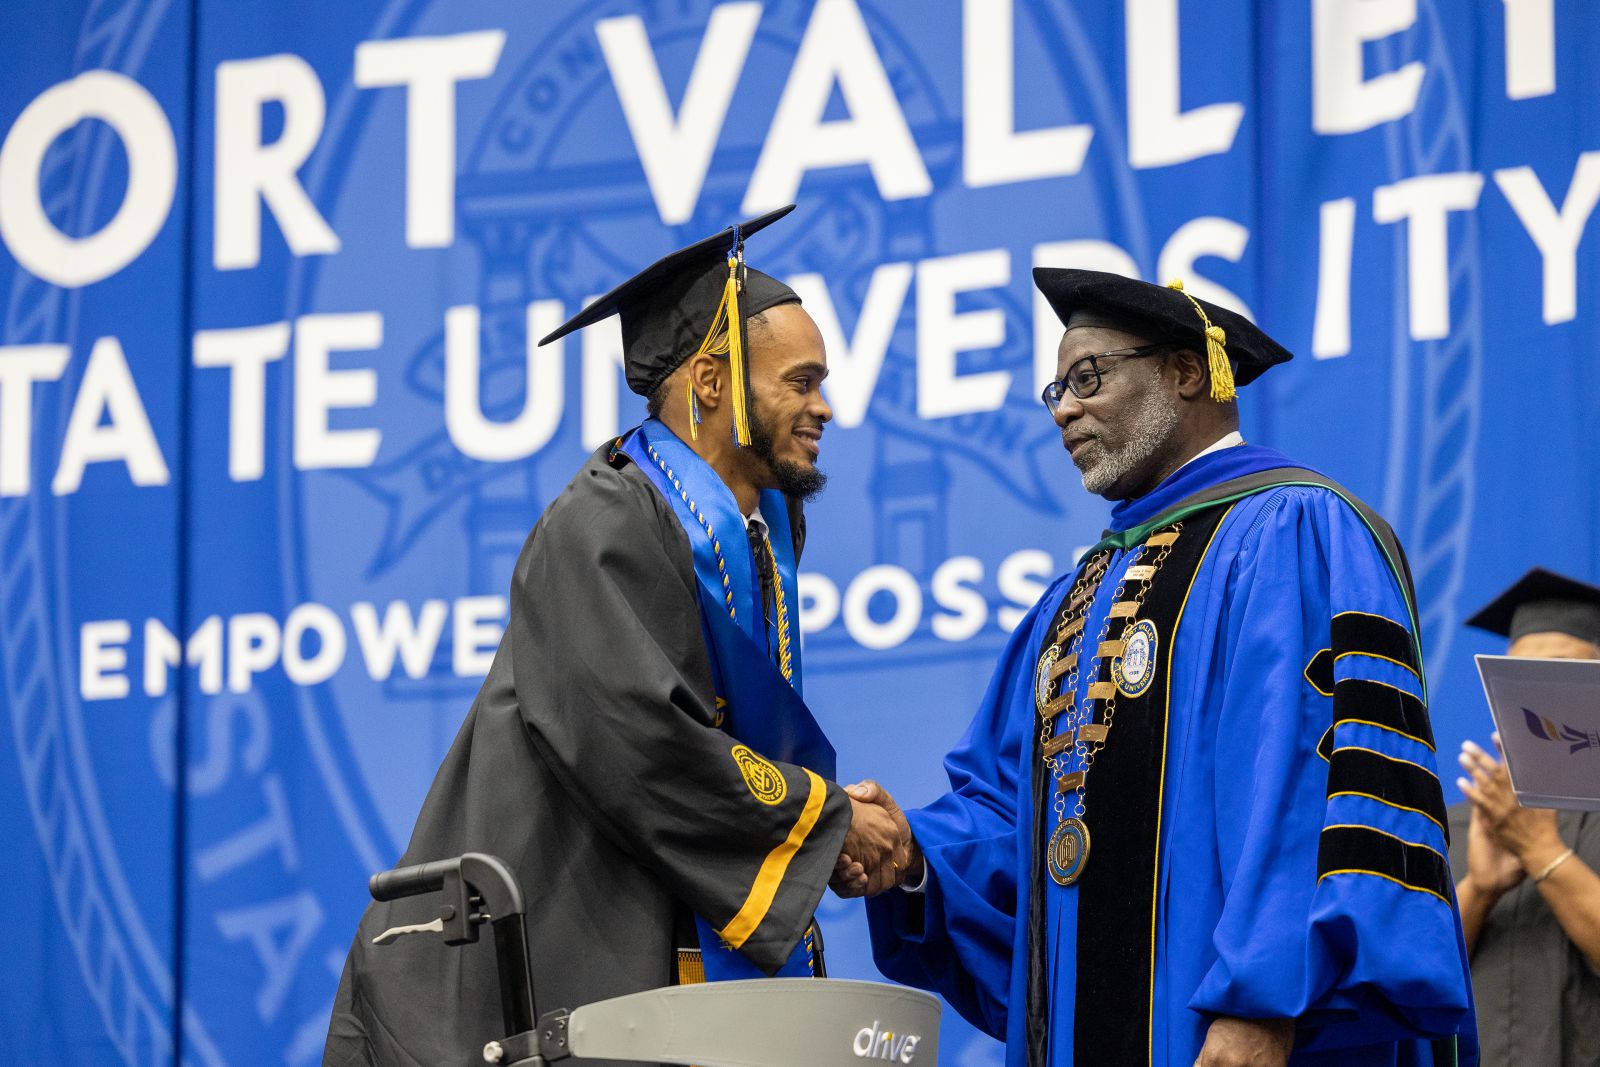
(906, 864)
(877, 851)
(1530, 834)
(849, 877)
(1234, 1042)
(869, 851)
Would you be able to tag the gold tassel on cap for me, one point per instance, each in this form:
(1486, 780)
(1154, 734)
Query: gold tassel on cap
(741, 411)
(726, 336)
(1222, 389)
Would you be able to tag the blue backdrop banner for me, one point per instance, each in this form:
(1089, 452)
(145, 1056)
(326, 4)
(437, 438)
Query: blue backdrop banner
(272, 430)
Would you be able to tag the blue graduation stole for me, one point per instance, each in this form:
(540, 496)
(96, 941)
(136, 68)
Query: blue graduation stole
(763, 707)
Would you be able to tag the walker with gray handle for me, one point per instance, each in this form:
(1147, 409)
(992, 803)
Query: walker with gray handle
(769, 1022)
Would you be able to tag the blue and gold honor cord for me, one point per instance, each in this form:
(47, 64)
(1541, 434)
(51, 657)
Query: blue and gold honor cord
(785, 651)
(716, 545)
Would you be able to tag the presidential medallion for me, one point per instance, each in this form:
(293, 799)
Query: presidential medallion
(1068, 851)
(1041, 677)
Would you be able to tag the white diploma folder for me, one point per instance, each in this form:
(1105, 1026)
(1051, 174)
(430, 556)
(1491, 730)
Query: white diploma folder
(1548, 715)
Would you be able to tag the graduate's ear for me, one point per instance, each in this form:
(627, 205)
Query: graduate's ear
(1191, 375)
(707, 376)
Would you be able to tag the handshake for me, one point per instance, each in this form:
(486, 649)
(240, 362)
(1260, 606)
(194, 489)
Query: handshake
(879, 852)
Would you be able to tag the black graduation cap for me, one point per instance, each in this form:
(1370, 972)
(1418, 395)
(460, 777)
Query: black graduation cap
(1543, 601)
(682, 304)
(1165, 313)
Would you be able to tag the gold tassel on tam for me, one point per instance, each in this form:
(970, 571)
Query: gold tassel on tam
(741, 389)
(1222, 389)
(726, 335)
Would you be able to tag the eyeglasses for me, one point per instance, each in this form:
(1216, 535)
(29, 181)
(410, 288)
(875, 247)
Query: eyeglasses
(1083, 377)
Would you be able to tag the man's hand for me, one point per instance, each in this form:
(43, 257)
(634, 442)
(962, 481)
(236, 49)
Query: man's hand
(1234, 1042)
(1530, 834)
(877, 851)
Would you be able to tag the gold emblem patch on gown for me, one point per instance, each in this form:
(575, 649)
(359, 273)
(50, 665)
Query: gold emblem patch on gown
(764, 779)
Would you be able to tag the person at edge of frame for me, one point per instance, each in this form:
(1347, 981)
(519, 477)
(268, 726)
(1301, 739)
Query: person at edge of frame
(1530, 897)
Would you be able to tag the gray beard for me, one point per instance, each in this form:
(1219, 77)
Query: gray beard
(1149, 426)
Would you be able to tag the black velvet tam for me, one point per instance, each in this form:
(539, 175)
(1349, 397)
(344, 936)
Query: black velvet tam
(668, 308)
(1158, 313)
(1543, 601)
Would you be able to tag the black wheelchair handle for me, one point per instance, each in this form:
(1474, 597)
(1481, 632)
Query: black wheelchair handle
(410, 881)
(477, 888)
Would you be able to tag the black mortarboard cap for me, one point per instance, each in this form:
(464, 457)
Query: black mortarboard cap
(1543, 601)
(673, 308)
(1166, 313)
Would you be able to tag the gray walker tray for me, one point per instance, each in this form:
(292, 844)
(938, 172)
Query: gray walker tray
(773, 1022)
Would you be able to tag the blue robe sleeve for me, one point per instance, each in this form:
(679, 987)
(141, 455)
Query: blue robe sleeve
(957, 936)
(1338, 908)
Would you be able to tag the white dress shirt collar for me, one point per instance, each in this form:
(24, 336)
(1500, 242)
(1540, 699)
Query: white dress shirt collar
(1228, 440)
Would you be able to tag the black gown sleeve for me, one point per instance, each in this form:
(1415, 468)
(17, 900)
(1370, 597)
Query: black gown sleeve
(614, 686)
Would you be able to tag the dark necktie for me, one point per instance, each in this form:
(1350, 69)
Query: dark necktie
(762, 554)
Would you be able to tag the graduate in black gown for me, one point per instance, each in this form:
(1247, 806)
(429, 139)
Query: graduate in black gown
(640, 752)
(1528, 878)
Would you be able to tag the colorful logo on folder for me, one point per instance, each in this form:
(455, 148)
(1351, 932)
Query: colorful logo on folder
(1548, 730)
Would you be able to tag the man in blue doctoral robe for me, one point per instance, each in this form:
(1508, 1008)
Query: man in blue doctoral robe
(1197, 818)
